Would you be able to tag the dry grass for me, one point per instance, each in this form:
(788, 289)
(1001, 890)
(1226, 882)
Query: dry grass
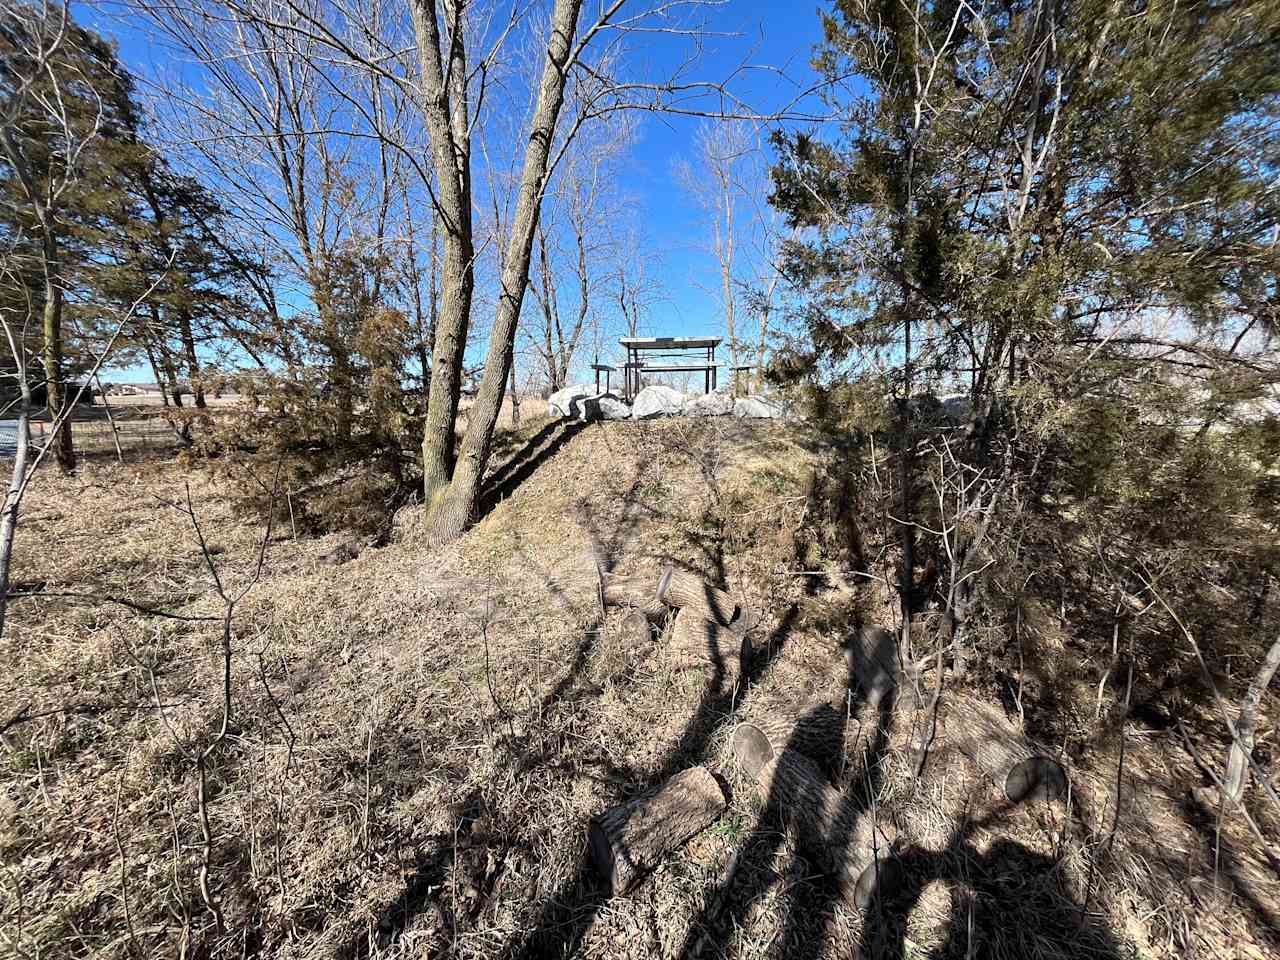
(448, 721)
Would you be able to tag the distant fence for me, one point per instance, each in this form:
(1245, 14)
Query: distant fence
(136, 433)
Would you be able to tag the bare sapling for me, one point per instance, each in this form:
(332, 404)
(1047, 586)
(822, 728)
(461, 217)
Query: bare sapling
(201, 757)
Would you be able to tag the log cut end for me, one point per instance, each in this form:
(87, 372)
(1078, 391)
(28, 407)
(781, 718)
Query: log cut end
(818, 732)
(636, 593)
(602, 855)
(751, 748)
(1036, 778)
(878, 883)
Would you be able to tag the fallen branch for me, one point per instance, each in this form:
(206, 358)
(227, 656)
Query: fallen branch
(122, 601)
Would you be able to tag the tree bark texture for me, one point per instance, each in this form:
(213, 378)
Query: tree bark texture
(628, 841)
(636, 592)
(843, 841)
(445, 109)
(701, 644)
(189, 354)
(688, 591)
(55, 385)
(1017, 766)
(13, 494)
(452, 510)
(817, 731)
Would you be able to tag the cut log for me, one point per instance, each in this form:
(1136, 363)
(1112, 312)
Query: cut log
(1019, 768)
(629, 840)
(637, 593)
(853, 851)
(698, 643)
(751, 749)
(817, 731)
(875, 668)
(688, 591)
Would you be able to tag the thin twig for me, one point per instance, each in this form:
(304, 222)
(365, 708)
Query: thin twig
(122, 601)
(124, 867)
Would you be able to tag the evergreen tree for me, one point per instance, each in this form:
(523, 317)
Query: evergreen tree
(1017, 175)
(67, 122)
(1068, 209)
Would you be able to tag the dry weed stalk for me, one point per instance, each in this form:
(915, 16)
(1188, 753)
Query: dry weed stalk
(201, 759)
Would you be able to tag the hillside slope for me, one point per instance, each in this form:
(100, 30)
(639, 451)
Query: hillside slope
(419, 738)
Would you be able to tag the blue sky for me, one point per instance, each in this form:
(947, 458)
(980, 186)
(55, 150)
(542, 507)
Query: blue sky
(779, 35)
(774, 42)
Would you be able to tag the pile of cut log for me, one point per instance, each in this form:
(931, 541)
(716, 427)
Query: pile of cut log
(672, 589)
(629, 840)
(788, 752)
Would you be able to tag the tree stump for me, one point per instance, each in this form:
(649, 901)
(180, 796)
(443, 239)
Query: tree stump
(1019, 768)
(638, 593)
(688, 591)
(629, 840)
(854, 852)
(698, 643)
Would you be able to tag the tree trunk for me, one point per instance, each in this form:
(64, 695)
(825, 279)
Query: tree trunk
(13, 495)
(628, 841)
(550, 312)
(111, 420)
(515, 399)
(448, 123)
(189, 354)
(456, 289)
(171, 374)
(853, 851)
(155, 367)
(688, 591)
(55, 386)
(452, 508)
(1237, 777)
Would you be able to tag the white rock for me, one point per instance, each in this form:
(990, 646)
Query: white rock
(657, 401)
(757, 408)
(604, 406)
(565, 403)
(708, 405)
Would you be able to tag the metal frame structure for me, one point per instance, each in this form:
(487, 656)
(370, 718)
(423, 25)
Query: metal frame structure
(670, 349)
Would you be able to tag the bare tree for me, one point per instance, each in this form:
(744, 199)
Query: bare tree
(277, 129)
(461, 50)
(576, 237)
(1246, 726)
(728, 180)
(634, 287)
